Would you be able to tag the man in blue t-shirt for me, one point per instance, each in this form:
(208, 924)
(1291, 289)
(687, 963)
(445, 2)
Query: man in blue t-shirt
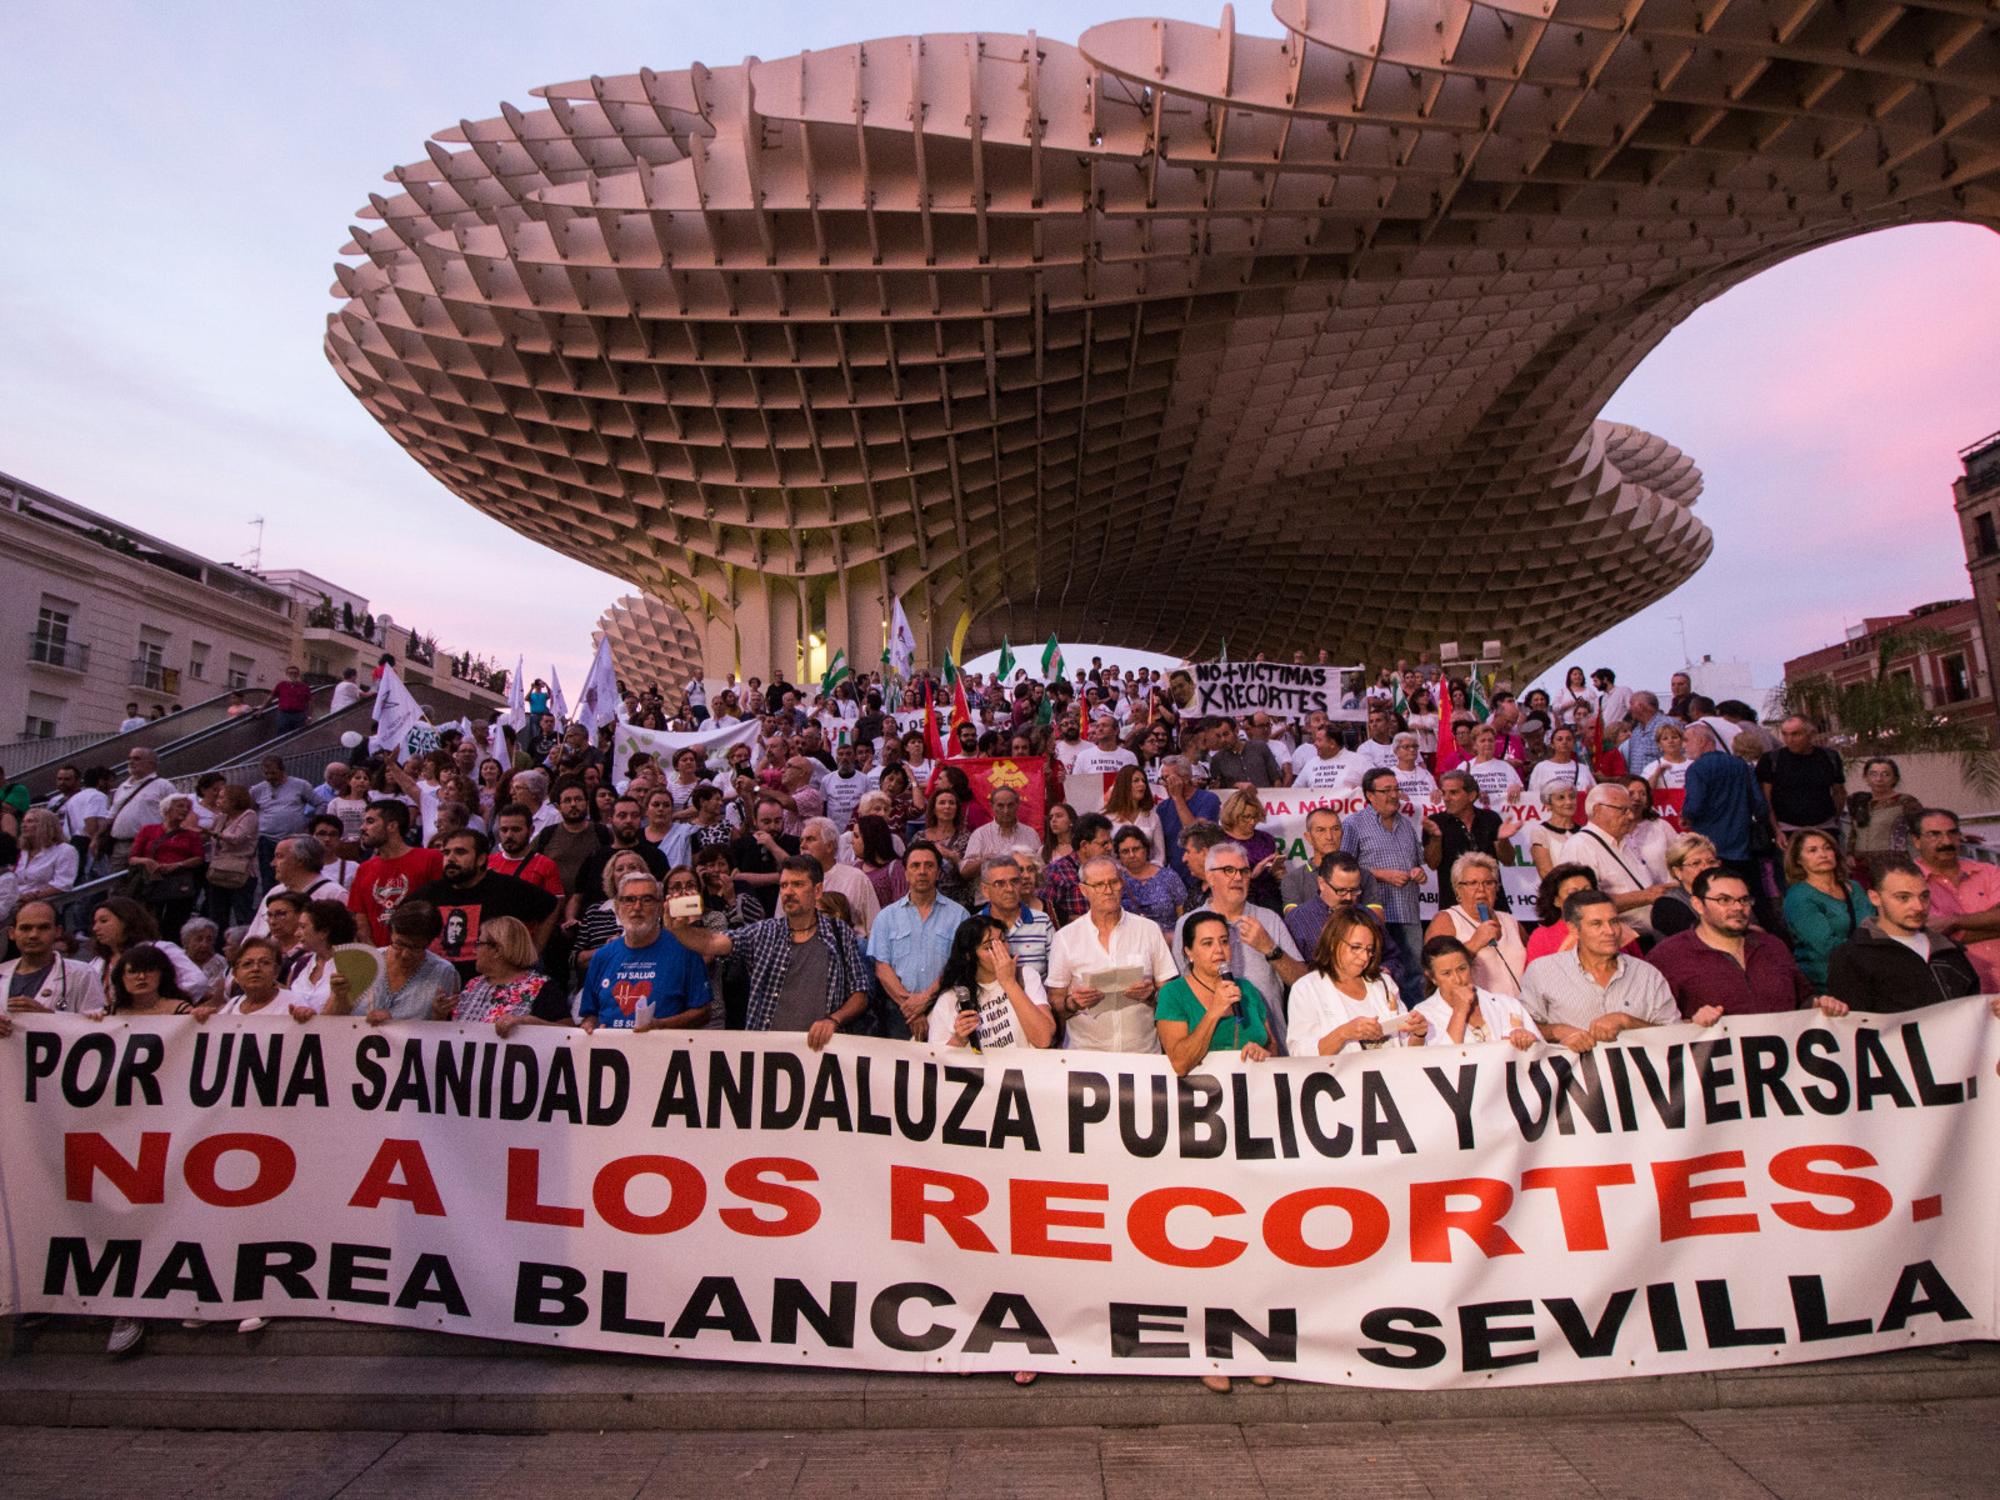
(644, 977)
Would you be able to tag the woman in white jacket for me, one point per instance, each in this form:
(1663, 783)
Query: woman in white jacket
(1345, 1003)
(1461, 1014)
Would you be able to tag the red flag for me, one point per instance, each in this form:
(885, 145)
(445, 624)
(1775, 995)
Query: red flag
(933, 742)
(1028, 777)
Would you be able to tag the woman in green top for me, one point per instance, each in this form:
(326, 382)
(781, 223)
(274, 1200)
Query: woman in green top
(1209, 1010)
(1823, 907)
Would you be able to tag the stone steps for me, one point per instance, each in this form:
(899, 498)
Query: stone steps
(300, 1374)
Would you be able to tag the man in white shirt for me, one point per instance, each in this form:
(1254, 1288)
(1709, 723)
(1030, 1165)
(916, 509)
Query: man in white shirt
(1598, 846)
(1104, 755)
(843, 786)
(81, 805)
(298, 865)
(1332, 764)
(1006, 834)
(820, 840)
(134, 805)
(1106, 940)
(1305, 742)
(346, 692)
(133, 719)
(1613, 701)
(41, 979)
(1261, 948)
(1378, 751)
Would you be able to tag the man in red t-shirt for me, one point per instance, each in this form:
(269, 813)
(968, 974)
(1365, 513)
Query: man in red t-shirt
(293, 701)
(513, 825)
(392, 870)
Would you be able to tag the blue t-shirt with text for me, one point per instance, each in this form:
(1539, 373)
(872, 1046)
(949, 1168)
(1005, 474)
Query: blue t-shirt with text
(620, 979)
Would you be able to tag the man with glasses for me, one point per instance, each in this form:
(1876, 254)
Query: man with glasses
(1599, 846)
(1724, 967)
(1390, 846)
(1106, 942)
(1261, 949)
(645, 977)
(1063, 881)
(134, 805)
(1029, 932)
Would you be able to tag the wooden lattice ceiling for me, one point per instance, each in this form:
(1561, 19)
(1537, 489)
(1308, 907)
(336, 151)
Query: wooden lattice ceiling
(1168, 334)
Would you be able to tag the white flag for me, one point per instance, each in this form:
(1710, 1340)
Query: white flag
(516, 716)
(598, 704)
(902, 641)
(396, 713)
(556, 699)
(496, 744)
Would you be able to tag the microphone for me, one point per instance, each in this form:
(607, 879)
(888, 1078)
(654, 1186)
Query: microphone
(1485, 912)
(1236, 1005)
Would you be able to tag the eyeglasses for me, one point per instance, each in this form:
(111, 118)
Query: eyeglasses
(1728, 900)
(1103, 885)
(1228, 869)
(485, 942)
(638, 901)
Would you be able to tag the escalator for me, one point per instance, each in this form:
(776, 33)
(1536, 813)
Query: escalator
(231, 740)
(307, 750)
(156, 734)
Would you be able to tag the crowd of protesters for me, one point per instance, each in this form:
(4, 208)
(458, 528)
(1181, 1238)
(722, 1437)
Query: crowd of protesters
(842, 874)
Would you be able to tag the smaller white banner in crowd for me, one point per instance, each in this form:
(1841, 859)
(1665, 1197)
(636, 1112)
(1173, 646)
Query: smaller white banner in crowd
(1281, 689)
(630, 740)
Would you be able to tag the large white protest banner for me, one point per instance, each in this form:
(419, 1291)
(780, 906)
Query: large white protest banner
(1771, 1189)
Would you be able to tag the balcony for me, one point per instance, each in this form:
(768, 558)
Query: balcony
(153, 677)
(57, 652)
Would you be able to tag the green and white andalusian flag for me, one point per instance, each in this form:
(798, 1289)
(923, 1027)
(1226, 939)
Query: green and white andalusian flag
(1052, 662)
(1006, 667)
(837, 672)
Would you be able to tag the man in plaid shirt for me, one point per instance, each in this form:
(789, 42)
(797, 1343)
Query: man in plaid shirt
(807, 971)
(1062, 884)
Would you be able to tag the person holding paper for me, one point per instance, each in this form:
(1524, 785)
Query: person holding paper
(1106, 966)
(1345, 1002)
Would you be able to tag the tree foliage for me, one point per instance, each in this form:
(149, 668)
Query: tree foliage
(1886, 714)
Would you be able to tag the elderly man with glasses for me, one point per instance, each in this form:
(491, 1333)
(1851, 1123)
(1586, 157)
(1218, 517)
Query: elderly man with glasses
(1006, 883)
(1599, 846)
(1261, 948)
(645, 977)
(1106, 967)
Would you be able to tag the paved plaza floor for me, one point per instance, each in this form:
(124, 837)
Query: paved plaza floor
(1910, 1451)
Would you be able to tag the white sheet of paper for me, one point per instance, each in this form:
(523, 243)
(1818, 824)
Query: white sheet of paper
(1114, 982)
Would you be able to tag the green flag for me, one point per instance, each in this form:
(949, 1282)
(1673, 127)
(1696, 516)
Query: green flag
(1006, 667)
(1476, 695)
(950, 673)
(837, 671)
(1052, 662)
